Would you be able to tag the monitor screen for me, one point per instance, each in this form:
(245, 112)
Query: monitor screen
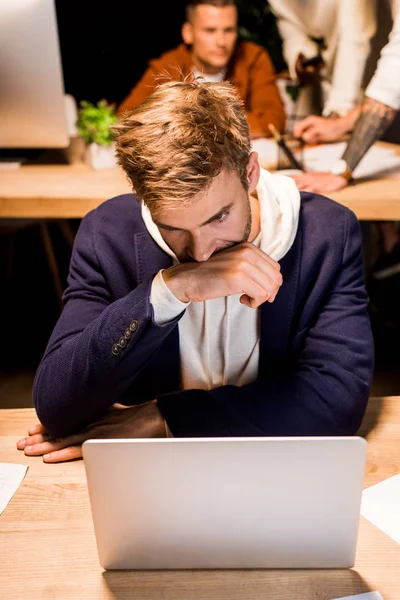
(32, 103)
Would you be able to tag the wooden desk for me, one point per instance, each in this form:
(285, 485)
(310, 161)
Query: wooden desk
(70, 191)
(57, 191)
(48, 549)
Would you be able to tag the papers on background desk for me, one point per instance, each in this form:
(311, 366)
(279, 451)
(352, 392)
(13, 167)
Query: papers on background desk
(267, 152)
(11, 476)
(366, 596)
(377, 162)
(9, 164)
(380, 504)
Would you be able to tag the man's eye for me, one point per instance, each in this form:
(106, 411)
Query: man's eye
(221, 217)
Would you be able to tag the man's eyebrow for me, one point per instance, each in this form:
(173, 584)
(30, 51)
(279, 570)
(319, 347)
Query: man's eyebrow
(218, 214)
(210, 220)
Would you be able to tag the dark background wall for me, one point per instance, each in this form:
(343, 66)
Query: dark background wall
(105, 46)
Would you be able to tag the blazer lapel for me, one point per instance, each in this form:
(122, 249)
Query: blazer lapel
(276, 318)
(150, 258)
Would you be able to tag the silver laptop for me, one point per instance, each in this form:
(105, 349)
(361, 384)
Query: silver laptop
(211, 503)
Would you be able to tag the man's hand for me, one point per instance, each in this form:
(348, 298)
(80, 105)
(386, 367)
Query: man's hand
(141, 421)
(308, 75)
(316, 130)
(242, 269)
(319, 182)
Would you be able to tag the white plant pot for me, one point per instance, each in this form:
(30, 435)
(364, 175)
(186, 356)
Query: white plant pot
(100, 157)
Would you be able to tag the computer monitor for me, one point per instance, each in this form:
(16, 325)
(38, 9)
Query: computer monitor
(32, 102)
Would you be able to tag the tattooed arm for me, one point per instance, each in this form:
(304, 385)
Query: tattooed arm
(373, 121)
(377, 112)
(375, 118)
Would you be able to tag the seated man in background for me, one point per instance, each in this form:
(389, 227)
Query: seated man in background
(215, 301)
(212, 51)
(339, 31)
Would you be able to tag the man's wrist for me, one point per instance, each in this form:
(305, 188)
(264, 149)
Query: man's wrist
(173, 282)
(166, 430)
(159, 423)
(342, 169)
(166, 306)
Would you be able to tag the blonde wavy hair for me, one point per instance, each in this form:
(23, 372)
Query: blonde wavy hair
(180, 138)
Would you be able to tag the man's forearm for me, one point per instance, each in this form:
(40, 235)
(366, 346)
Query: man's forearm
(80, 376)
(375, 118)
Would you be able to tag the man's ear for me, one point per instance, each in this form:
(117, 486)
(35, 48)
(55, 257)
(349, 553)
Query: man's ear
(253, 171)
(187, 33)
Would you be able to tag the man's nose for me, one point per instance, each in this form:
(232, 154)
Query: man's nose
(200, 249)
(220, 39)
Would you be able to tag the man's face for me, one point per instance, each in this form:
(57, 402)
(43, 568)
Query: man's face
(218, 218)
(212, 35)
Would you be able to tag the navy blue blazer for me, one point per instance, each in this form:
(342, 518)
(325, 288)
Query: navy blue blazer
(316, 347)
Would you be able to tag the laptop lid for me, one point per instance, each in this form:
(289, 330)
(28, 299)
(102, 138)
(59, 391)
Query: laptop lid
(226, 502)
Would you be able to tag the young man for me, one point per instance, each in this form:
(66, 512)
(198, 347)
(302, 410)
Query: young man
(211, 51)
(215, 301)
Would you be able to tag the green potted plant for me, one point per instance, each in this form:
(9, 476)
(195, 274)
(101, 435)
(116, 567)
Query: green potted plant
(94, 126)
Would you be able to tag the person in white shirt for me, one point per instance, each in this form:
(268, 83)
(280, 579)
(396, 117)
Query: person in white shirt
(370, 120)
(369, 123)
(345, 28)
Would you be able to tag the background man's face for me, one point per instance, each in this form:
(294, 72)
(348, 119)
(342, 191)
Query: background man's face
(212, 35)
(218, 218)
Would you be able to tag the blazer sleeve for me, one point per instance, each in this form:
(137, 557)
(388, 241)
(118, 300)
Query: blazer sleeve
(79, 377)
(325, 392)
(264, 103)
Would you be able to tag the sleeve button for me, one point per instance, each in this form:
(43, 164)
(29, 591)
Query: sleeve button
(116, 349)
(128, 334)
(133, 326)
(122, 342)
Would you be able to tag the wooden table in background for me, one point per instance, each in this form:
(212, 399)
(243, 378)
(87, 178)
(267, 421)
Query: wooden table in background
(57, 191)
(48, 549)
(71, 191)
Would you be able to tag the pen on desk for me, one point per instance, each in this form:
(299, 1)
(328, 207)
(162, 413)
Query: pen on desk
(281, 142)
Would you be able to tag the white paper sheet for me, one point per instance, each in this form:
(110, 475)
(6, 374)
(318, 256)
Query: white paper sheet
(366, 596)
(380, 504)
(5, 165)
(377, 162)
(11, 476)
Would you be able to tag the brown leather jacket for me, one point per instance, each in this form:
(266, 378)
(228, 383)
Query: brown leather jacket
(250, 70)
